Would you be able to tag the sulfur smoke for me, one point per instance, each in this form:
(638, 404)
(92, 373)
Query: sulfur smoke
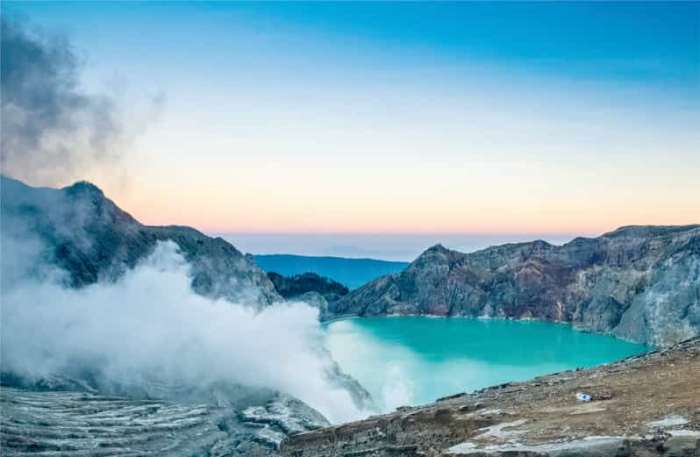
(53, 130)
(149, 326)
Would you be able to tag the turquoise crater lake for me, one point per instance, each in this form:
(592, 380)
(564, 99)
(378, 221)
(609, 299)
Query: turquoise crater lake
(415, 360)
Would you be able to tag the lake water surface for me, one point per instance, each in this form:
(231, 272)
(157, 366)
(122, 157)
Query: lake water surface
(415, 360)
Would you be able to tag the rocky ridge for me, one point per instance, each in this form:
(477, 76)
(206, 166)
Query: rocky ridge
(294, 286)
(310, 288)
(640, 283)
(85, 234)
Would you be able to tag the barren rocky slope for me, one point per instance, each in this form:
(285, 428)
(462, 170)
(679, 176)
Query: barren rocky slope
(640, 283)
(87, 235)
(87, 238)
(643, 406)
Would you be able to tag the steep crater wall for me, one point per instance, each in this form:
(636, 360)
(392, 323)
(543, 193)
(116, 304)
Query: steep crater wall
(640, 283)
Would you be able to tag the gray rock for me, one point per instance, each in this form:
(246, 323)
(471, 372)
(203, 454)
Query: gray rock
(75, 423)
(85, 234)
(297, 285)
(316, 300)
(640, 283)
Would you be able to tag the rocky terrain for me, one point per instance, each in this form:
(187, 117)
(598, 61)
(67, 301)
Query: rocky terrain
(87, 423)
(81, 237)
(310, 288)
(85, 234)
(640, 283)
(642, 406)
(297, 285)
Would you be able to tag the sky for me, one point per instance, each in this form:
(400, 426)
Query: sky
(445, 119)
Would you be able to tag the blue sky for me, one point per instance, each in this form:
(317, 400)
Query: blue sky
(651, 42)
(399, 117)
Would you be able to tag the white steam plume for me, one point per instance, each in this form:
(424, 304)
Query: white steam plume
(149, 324)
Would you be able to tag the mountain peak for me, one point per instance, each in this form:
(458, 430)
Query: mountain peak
(437, 248)
(91, 238)
(83, 187)
(434, 252)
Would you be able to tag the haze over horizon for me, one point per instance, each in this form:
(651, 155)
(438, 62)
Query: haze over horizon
(403, 247)
(389, 123)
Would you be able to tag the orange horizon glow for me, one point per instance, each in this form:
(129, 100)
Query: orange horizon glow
(267, 221)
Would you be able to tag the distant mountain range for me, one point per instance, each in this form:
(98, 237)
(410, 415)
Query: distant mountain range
(352, 273)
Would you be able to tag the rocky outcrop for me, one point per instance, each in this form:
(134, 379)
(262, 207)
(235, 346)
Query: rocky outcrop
(642, 406)
(297, 285)
(310, 288)
(87, 236)
(638, 283)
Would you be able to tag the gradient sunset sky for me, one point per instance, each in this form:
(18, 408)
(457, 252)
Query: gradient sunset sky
(462, 118)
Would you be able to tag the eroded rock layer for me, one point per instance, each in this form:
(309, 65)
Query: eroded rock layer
(74, 423)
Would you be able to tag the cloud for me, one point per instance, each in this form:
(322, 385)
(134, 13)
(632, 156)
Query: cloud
(149, 327)
(52, 129)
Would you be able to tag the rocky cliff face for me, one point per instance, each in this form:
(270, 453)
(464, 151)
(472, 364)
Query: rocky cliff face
(639, 283)
(85, 234)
